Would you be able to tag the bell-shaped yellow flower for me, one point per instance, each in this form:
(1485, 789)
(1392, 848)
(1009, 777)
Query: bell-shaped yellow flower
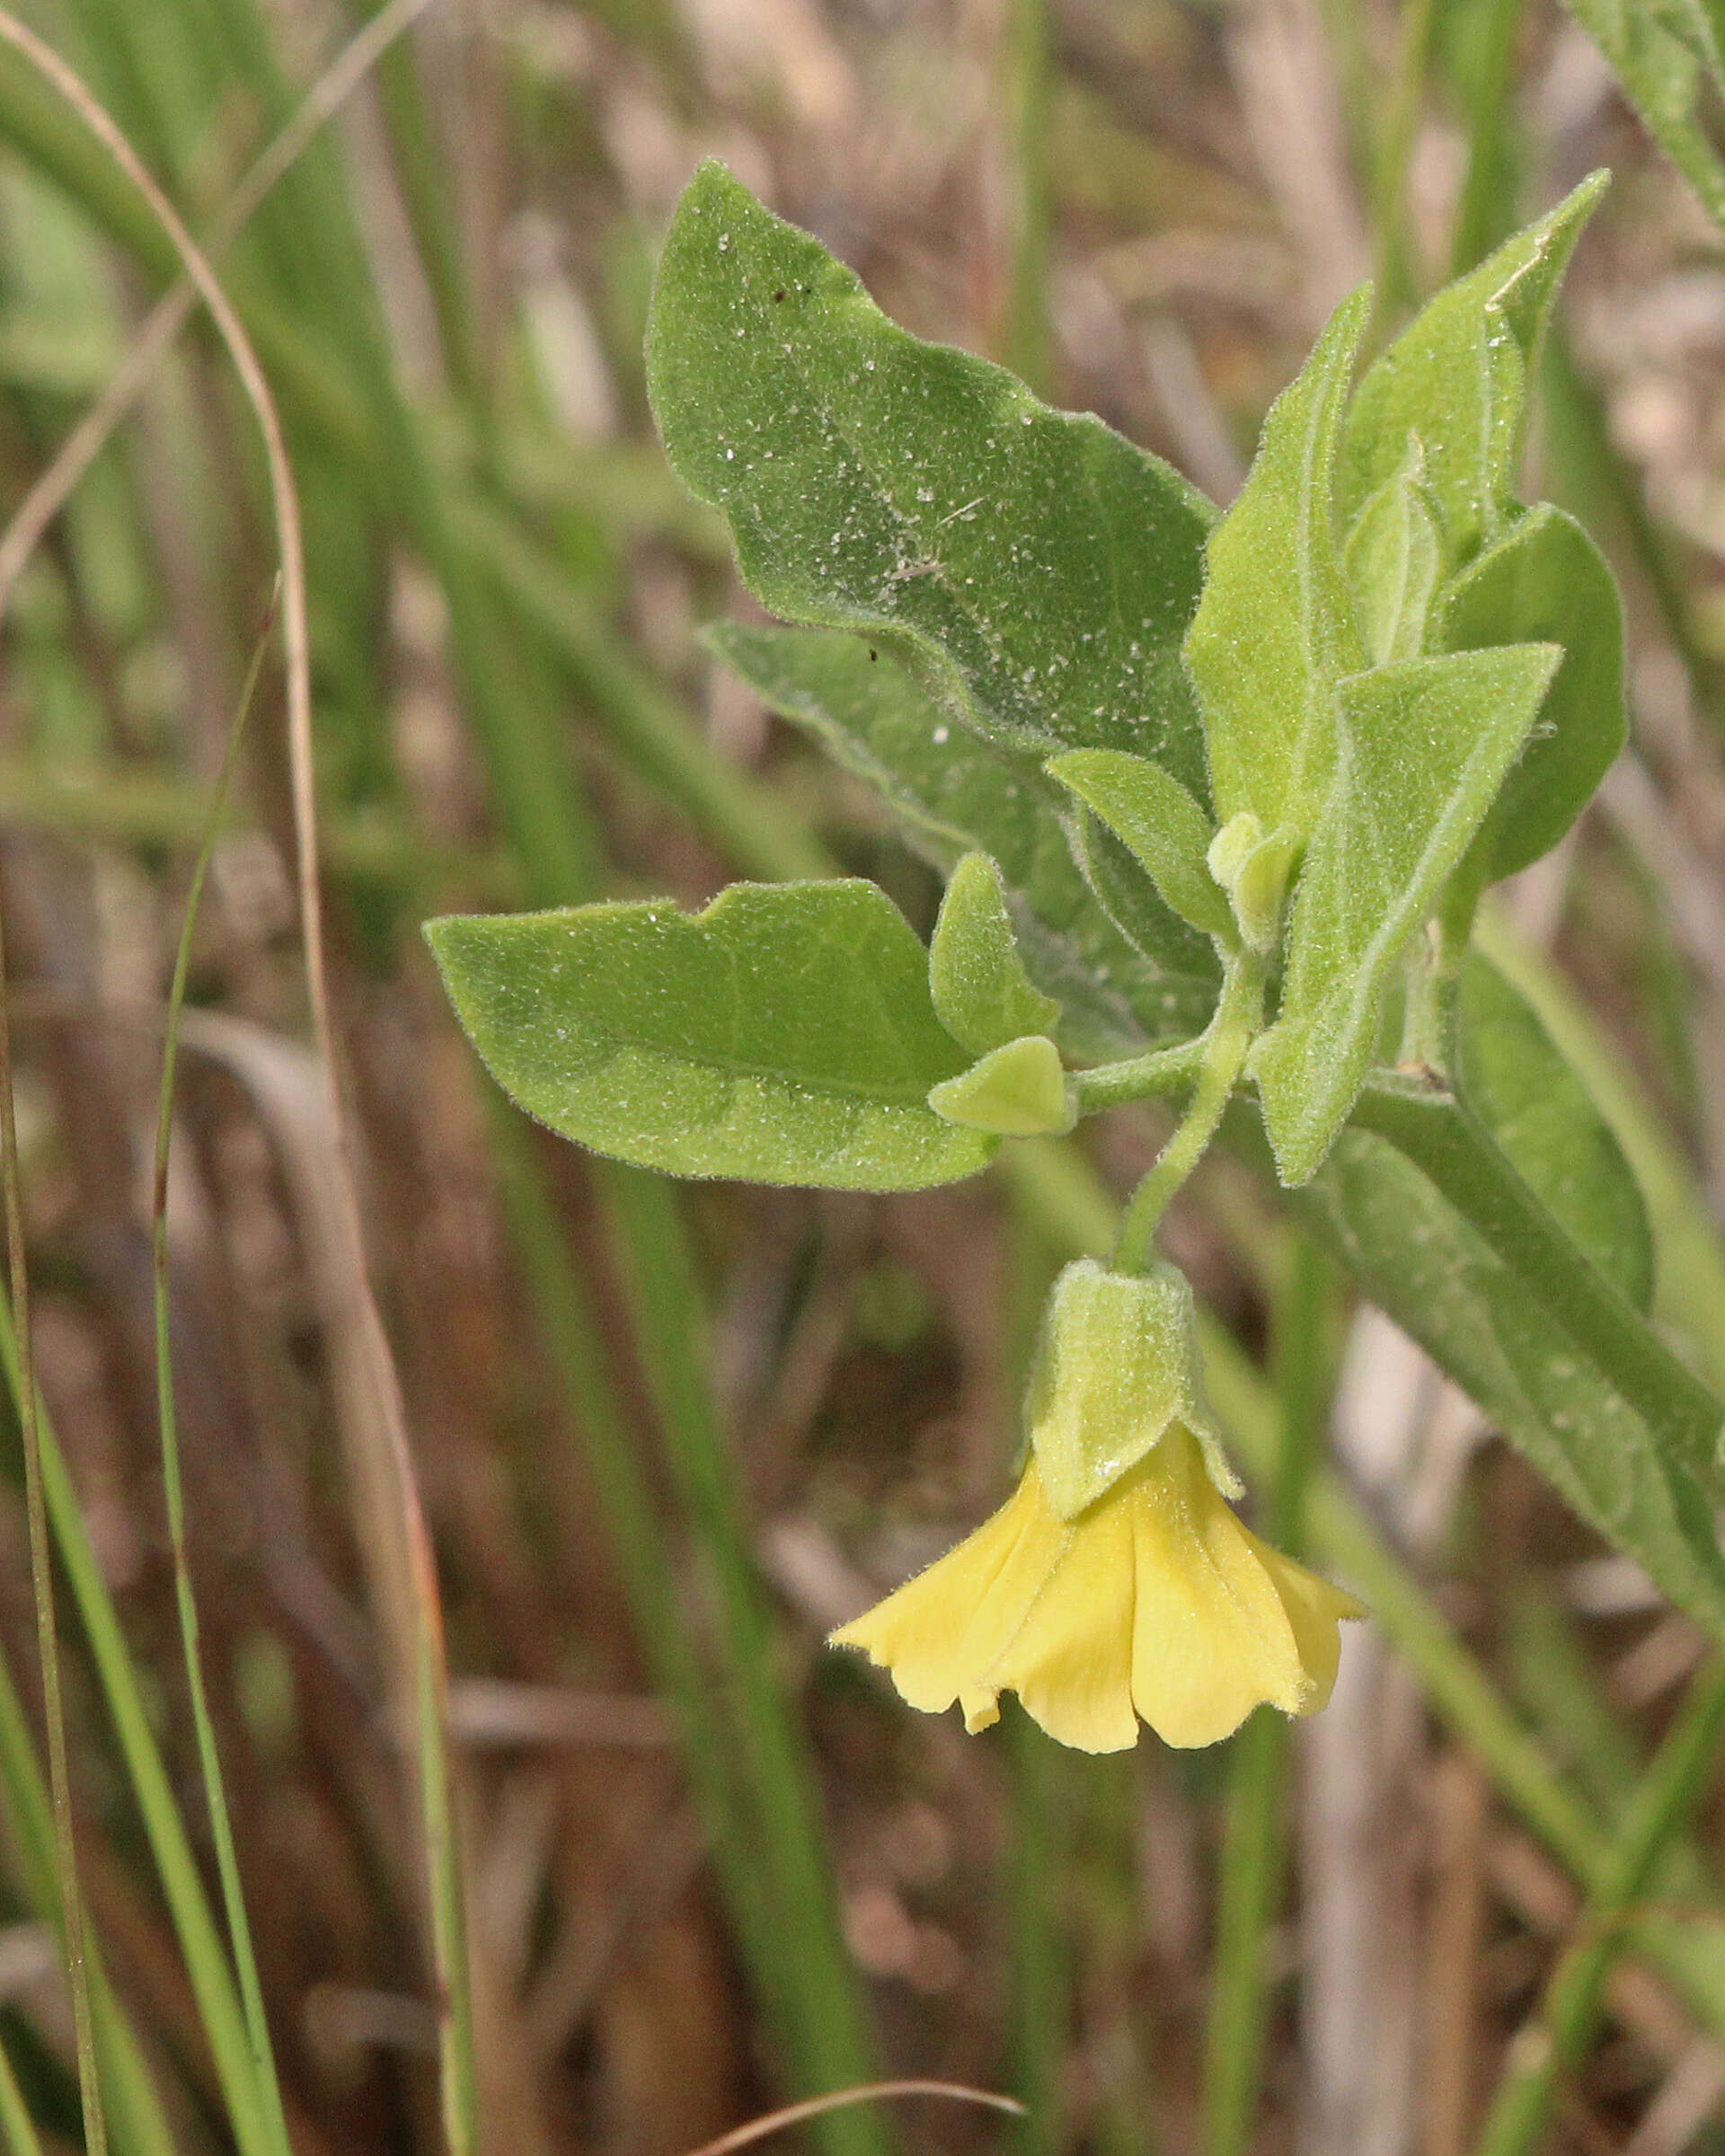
(1155, 1600)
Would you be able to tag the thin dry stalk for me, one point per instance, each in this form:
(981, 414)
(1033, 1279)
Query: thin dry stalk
(79, 449)
(793, 2115)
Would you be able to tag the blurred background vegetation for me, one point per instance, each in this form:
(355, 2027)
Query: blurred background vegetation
(666, 1437)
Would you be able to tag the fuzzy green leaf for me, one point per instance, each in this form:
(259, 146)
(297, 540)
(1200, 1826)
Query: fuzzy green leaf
(1393, 560)
(1275, 629)
(1546, 582)
(1423, 1264)
(1154, 814)
(1540, 1111)
(952, 792)
(1424, 747)
(983, 996)
(1457, 378)
(1019, 1090)
(785, 1034)
(1034, 569)
(1127, 894)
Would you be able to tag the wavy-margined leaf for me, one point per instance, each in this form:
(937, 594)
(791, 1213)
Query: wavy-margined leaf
(875, 721)
(1539, 1109)
(785, 1035)
(1421, 1263)
(1033, 567)
(1424, 746)
(1545, 581)
(1667, 56)
(1275, 630)
(1457, 377)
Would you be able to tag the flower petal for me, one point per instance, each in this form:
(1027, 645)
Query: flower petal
(1314, 1609)
(939, 1633)
(1211, 1639)
(1071, 1660)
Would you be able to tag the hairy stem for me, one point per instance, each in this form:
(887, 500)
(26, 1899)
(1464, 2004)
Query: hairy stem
(1222, 1056)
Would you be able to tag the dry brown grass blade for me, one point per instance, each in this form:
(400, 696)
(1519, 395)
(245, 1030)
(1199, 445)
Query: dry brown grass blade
(394, 1537)
(795, 2115)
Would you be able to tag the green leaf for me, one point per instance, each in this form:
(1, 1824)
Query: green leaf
(1130, 899)
(1424, 747)
(1540, 1111)
(1546, 582)
(1275, 629)
(1664, 56)
(1393, 560)
(955, 793)
(785, 1034)
(983, 996)
(1017, 1090)
(1153, 814)
(1457, 378)
(1032, 568)
(1423, 1265)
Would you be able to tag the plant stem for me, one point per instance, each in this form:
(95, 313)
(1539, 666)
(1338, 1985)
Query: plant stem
(1449, 1144)
(1551, 2044)
(1139, 1077)
(1223, 1049)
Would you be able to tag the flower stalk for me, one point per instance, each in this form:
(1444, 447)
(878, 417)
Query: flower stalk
(1225, 1044)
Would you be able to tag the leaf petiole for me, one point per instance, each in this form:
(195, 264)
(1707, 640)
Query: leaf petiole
(1150, 1077)
(1221, 1056)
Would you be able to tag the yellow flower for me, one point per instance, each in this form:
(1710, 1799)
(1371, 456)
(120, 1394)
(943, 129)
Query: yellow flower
(1155, 1600)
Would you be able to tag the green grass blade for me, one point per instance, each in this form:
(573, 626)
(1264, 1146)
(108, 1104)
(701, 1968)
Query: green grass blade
(828, 2024)
(269, 2125)
(139, 2125)
(41, 1575)
(206, 1965)
(17, 2129)
(1553, 2043)
(1487, 212)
